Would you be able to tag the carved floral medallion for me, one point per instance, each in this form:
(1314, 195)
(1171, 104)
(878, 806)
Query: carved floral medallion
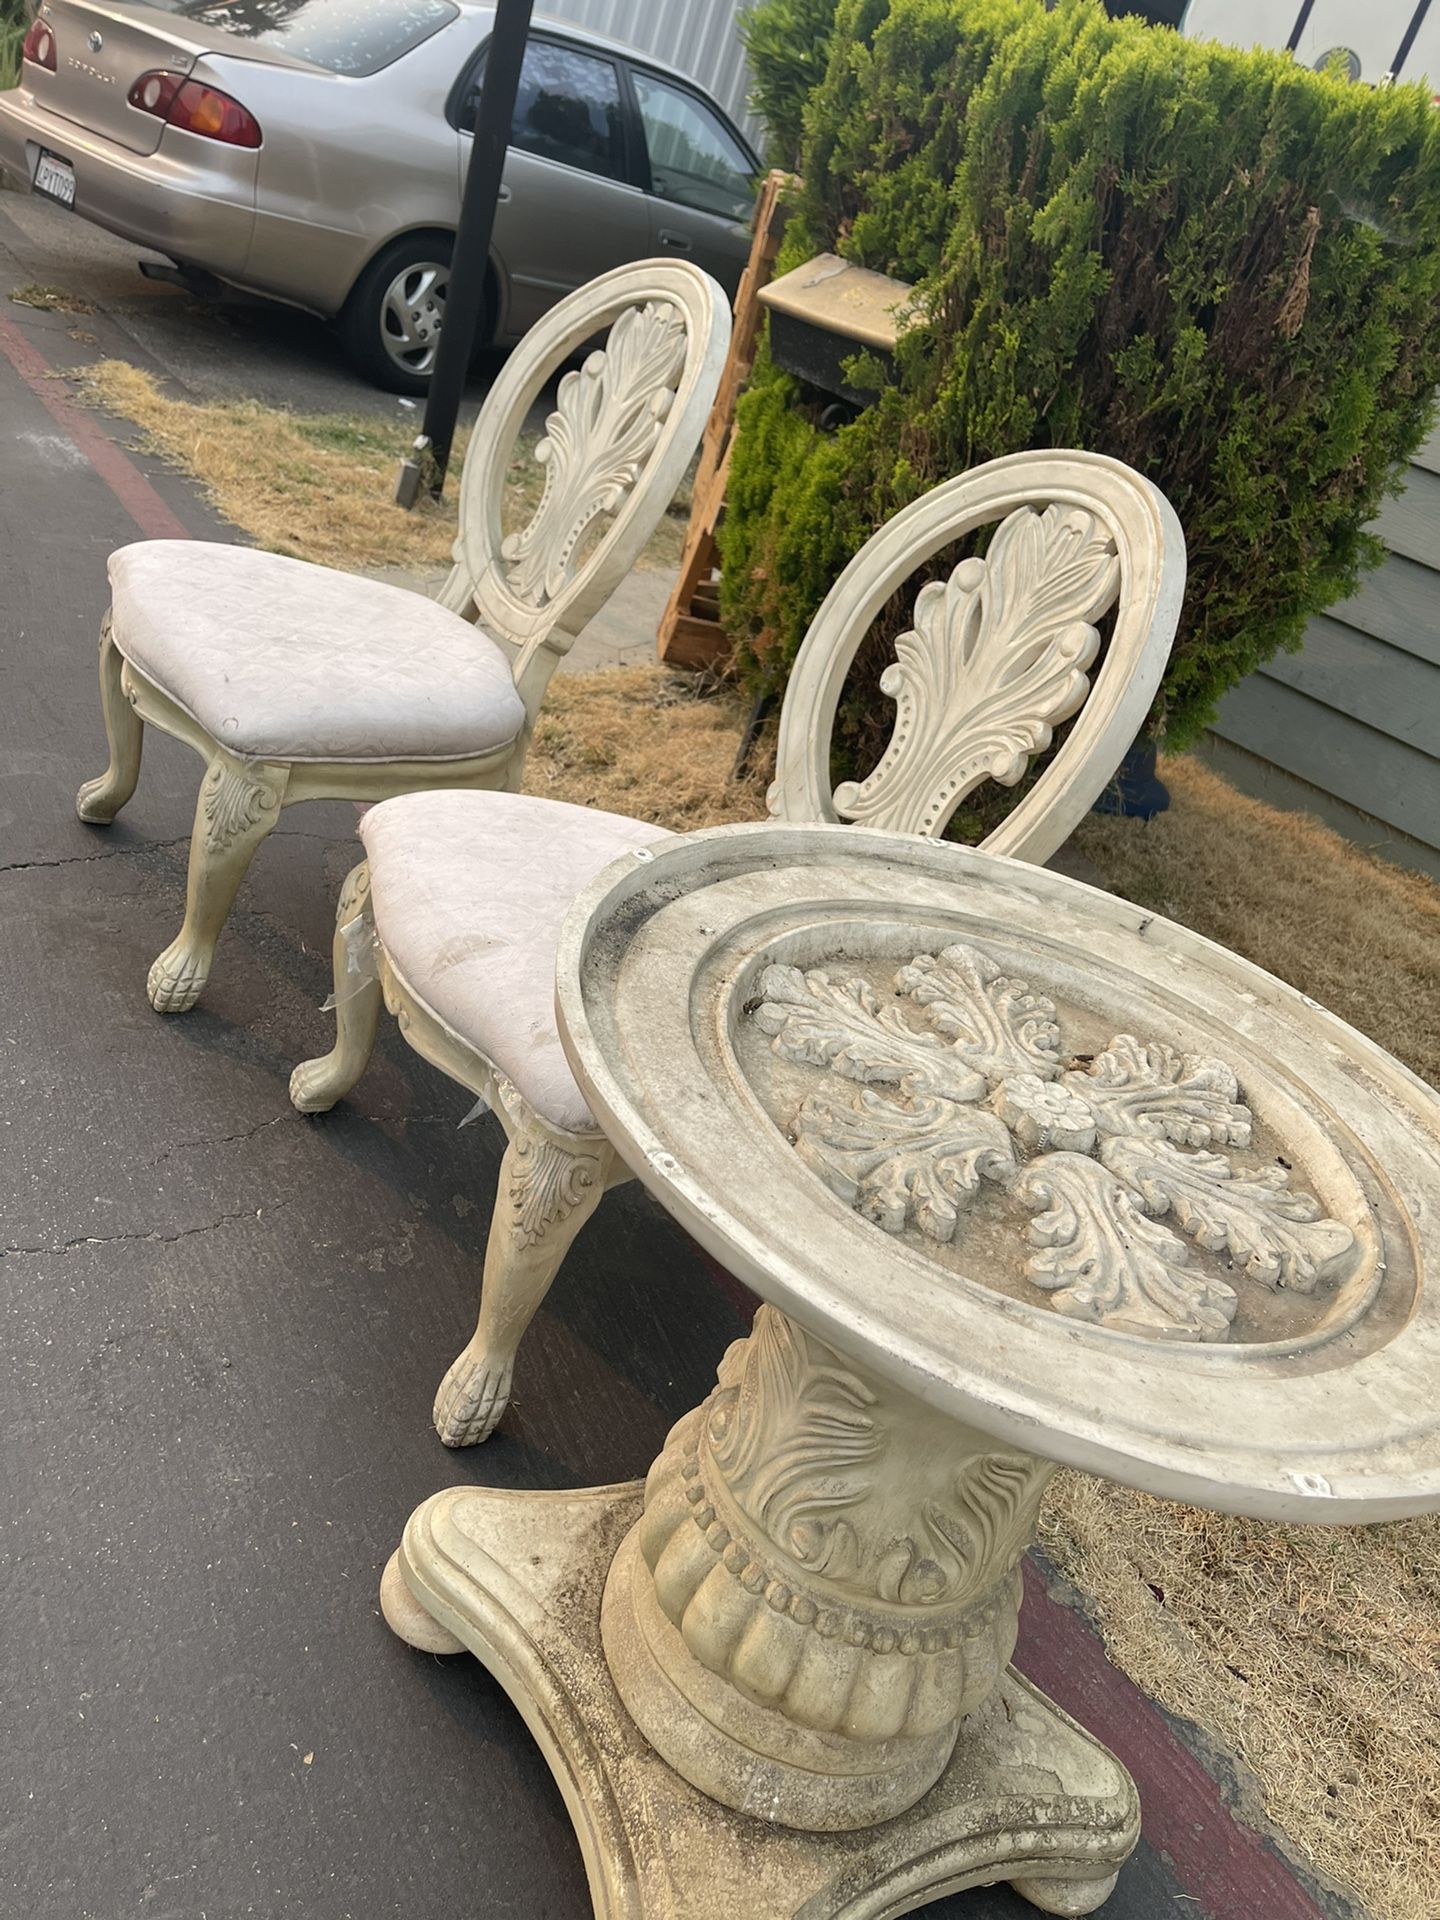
(1125, 1162)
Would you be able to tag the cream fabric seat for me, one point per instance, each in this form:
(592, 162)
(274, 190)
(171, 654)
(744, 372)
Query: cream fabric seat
(293, 682)
(469, 891)
(281, 660)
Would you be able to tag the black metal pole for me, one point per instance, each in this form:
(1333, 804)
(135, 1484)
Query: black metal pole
(466, 293)
(1307, 7)
(1417, 20)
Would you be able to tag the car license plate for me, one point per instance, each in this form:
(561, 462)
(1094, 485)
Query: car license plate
(55, 178)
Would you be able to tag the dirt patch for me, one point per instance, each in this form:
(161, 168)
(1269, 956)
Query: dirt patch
(320, 486)
(1353, 931)
(50, 299)
(1312, 1652)
(643, 741)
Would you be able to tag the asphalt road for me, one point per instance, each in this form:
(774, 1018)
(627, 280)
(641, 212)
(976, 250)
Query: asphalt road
(234, 346)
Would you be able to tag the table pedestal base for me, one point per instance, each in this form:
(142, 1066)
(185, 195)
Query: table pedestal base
(517, 1578)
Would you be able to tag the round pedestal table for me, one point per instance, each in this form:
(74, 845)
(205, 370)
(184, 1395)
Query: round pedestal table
(1024, 1175)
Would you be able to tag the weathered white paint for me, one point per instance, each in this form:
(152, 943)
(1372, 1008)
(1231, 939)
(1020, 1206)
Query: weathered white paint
(662, 976)
(1027, 1795)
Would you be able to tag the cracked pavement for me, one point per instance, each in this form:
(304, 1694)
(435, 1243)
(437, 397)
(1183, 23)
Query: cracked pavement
(221, 1329)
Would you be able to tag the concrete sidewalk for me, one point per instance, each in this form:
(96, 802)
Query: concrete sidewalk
(222, 1329)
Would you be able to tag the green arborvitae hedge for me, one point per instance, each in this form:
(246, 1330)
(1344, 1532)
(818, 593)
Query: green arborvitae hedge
(788, 44)
(1217, 265)
(14, 19)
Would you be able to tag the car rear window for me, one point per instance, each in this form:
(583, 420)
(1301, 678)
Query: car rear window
(353, 37)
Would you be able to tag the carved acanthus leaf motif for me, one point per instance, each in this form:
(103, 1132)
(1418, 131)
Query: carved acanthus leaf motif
(794, 1441)
(961, 1544)
(995, 1023)
(1253, 1216)
(546, 1180)
(1000, 650)
(1184, 1097)
(990, 1516)
(608, 418)
(233, 803)
(1104, 1260)
(803, 1445)
(819, 1022)
(898, 1163)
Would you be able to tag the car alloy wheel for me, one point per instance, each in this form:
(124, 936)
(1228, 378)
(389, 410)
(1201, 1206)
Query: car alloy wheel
(411, 315)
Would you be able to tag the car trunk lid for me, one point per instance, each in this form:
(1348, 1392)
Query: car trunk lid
(101, 51)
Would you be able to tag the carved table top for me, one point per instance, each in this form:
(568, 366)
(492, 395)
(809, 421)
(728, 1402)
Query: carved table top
(1089, 1181)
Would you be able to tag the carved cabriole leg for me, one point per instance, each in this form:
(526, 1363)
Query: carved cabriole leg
(823, 1583)
(550, 1184)
(316, 1085)
(98, 801)
(239, 803)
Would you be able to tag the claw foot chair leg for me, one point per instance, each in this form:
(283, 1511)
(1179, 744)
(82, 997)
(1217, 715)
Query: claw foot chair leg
(239, 803)
(547, 1192)
(98, 801)
(316, 1085)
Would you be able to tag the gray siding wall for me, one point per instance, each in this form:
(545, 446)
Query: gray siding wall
(1349, 727)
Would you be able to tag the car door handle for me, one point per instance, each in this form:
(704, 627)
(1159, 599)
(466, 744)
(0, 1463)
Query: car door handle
(503, 195)
(679, 241)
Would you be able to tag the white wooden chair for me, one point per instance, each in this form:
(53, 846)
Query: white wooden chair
(296, 682)
(455, 915)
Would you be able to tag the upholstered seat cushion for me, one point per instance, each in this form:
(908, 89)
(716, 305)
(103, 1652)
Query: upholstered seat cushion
(469, 891)
(281, 660)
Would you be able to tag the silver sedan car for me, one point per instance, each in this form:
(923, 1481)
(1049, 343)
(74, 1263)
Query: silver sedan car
(314, 151)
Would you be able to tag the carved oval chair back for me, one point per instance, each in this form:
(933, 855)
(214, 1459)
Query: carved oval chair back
(999, 653)
(625, 412)
(298, 682)
(456, 912)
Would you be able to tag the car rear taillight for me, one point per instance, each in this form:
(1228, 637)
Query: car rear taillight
(39, 47)
(195, 108)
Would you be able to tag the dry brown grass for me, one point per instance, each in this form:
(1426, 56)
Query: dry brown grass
(1312, 1653)
(642, 741)
(1355, 932)
(49, 299)
(317, 486)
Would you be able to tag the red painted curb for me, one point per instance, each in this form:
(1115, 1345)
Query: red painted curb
(1226, 1865)
(124, 479)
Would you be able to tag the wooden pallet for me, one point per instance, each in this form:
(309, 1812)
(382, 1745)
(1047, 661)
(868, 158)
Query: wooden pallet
(690, 633)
